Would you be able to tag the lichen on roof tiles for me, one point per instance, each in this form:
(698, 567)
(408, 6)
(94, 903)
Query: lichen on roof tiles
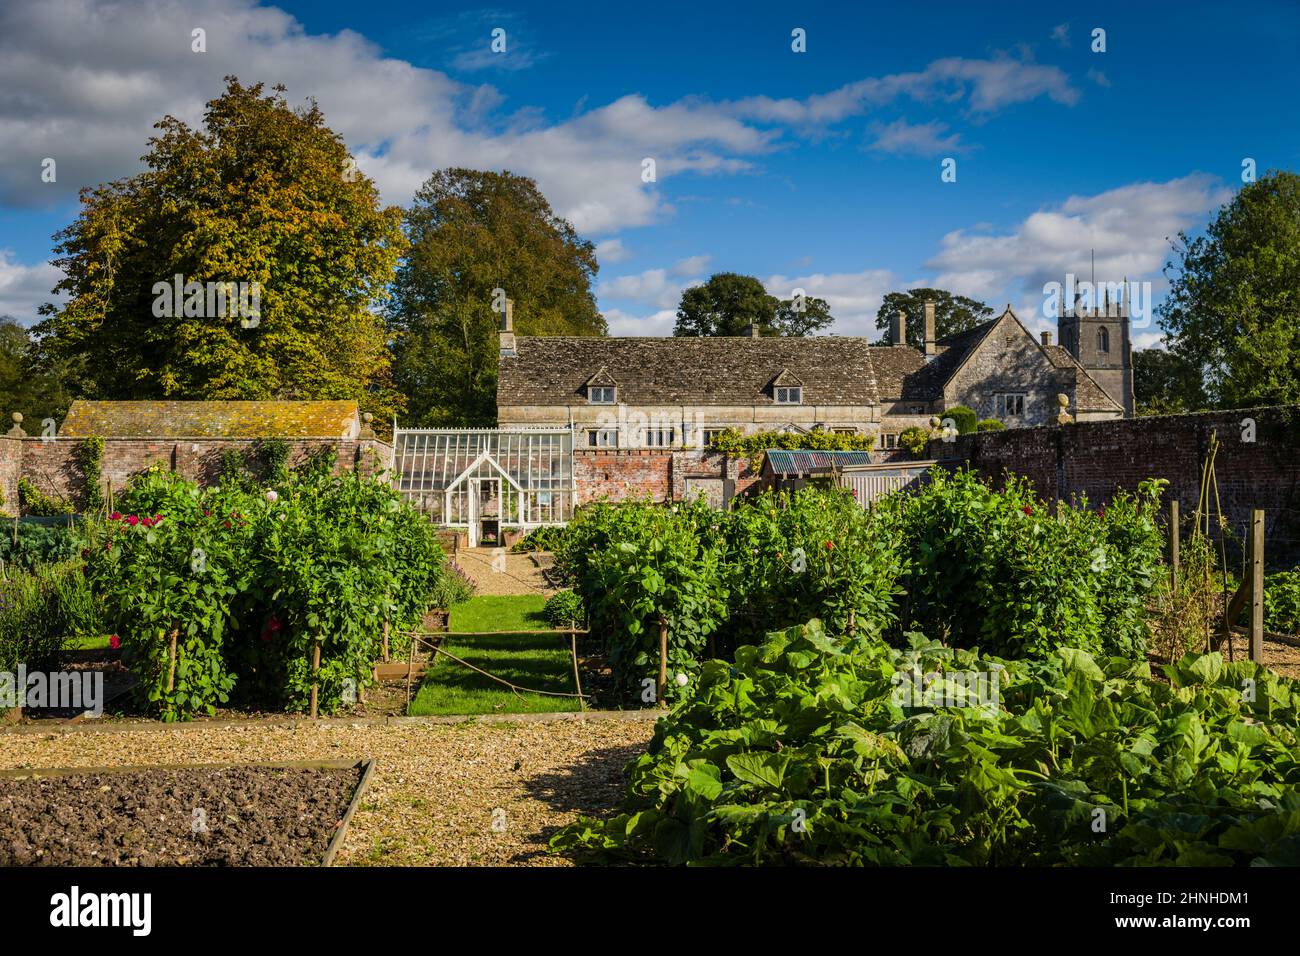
(212, 419)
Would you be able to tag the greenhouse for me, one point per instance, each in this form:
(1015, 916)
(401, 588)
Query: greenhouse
(485, 480)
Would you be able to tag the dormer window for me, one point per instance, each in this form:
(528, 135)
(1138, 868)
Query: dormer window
(785, 388)
(602, 388)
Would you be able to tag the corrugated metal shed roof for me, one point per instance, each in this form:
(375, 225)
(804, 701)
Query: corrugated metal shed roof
(233, 419)
(797, 462)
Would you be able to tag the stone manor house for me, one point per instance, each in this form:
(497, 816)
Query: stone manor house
(677, 393)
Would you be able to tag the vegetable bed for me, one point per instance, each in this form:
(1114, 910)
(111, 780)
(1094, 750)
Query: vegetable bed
(192, 816)
(814, 749)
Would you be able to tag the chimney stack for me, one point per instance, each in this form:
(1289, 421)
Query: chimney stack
(897, 331)
(930, 347)
(508, 329)
(1047, 338)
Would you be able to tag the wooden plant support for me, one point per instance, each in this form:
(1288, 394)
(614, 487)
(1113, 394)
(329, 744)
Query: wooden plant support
(663, 660)
(1252, 590)
(1256, 585)
(171, 670)
(385, 640)
(315, 684)
(1174, 543)
(577, 681)
(410, 670)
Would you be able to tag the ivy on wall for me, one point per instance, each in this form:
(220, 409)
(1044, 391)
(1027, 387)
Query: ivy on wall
(90, 459)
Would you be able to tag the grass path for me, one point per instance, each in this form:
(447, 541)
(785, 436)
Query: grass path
(540, 661)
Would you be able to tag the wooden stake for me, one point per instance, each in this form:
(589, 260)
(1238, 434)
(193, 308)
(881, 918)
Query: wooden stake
(577, 681)
(385, 640)
(1256, 585)
(171, 672)
(315, 668)
(410, 669)
(1173, 543)
(663, 659)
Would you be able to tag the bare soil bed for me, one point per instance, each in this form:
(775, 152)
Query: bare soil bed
(242, 816)
(476, 793)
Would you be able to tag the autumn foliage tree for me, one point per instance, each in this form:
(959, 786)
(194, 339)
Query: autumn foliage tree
(260, 193)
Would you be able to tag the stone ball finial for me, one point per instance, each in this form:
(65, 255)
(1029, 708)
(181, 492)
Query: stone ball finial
(18, 418)
(367, 417)
(1063, 400)
(935, 422)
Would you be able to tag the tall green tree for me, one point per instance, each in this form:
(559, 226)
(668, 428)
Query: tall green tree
(1165, 382)
(472, 233)
(261, 193)
(952, 313)
(729, 302)
(37, 395)
(1234, 299)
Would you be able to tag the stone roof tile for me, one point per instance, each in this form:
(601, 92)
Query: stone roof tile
(217, 419)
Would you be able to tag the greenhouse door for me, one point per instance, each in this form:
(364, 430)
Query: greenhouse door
(485, 512)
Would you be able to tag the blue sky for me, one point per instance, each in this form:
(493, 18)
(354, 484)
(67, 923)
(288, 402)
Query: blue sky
(817, 170)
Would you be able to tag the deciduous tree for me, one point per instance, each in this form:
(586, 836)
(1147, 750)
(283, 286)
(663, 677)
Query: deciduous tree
(1234, 300)
(260, 193)
(729, 302)
(471, 233)
(952, 313)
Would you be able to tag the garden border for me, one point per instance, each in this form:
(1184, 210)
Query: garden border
(327, 723)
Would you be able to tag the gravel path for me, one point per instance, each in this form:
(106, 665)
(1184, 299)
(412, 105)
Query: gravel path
(497, 571)
(465, 794)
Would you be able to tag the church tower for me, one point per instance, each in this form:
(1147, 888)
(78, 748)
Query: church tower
(1099, 339)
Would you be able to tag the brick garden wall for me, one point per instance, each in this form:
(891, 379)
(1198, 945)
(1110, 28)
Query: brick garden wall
(51, 463)
(659, 474)
(1099, 458)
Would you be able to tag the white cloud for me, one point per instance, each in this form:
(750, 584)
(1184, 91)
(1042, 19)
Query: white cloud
(1096, 76)
(1061, 34)
(986, 85)
(96, 77)
(657, 323)
(23, 288)
(657, 288)
(1129, 228)
(609, 251)
(924, 139)
(854, 297)
(653, 287)
(690, 266)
